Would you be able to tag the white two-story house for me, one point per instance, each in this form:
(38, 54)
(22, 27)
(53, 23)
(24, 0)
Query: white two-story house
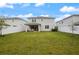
(40, 24)
(69, 24)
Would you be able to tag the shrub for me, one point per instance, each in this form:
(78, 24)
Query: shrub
(55, 29)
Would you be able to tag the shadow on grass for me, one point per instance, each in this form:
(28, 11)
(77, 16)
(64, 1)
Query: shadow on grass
(1, 35)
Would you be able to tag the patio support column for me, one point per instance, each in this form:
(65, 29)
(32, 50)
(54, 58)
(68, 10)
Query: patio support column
(39, 28)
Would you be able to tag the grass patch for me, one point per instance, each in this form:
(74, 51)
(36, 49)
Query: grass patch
(39, 43)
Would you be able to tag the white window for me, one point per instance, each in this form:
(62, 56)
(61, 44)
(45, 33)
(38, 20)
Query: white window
(33, 20)
(41, 19)
(14, 26)
(46, 26)
(62, 22)
(12, 20)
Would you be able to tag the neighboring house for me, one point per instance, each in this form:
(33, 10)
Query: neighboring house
(69, 24)
(16, 25)
(40, 24)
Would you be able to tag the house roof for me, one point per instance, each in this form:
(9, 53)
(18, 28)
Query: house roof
(11, 18)
(67, 17)
(41, 17)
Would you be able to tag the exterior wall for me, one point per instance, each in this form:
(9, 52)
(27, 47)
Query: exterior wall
(49, 22)
(44, 22)
(15, 26)
(66, 25)
(65, 29)
(68, 29)
(76, 29)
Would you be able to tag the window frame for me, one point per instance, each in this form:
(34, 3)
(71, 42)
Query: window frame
(46, 26)
(33, 20)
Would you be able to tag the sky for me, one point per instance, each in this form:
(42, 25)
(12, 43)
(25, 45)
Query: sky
(57, 10)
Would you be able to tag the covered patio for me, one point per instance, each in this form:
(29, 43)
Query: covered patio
(33, 27)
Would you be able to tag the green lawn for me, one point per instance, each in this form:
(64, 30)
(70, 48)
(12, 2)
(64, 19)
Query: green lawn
(37, 43)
